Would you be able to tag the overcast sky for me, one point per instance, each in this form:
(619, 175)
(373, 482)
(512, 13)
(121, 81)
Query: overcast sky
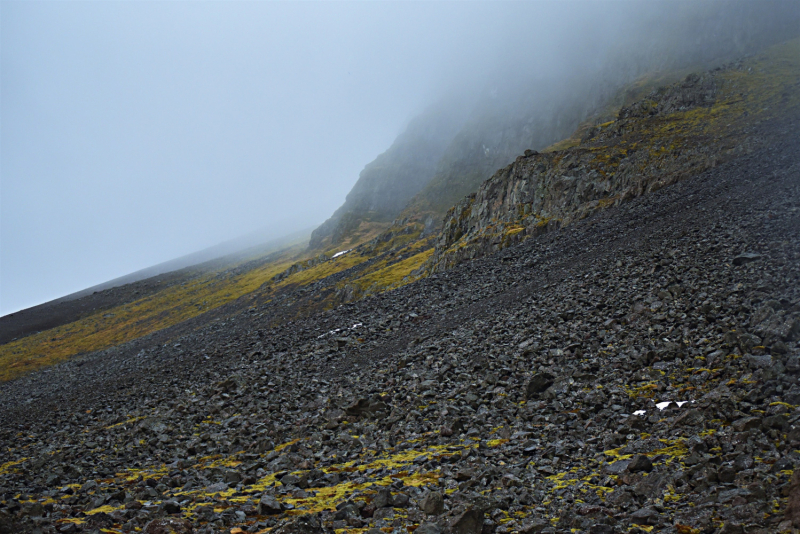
(137, 132)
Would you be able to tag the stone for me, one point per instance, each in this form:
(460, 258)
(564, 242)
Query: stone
(645, 516)
(304, 524)
(793, 501)
(383, 498)
(426, 528)
(171, 507)
(269, 505)
(432, 503)
(640, 463)
(467, 522)
(538, 384)
(168, 525)
(745, 258)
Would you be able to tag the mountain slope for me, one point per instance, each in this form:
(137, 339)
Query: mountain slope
(515, 393)
(649, 145)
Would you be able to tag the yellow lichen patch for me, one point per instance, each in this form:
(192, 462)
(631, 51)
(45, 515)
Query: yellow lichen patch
(129, 421)
(391, 276)
(8, 466)
(779, 403)
(676, 448)
(560, 481)
(132, 474)
(75, 520)
(420, 479)
(287, 444)
(646, 391)
(617, 455)
(105, 509)
(496, 442)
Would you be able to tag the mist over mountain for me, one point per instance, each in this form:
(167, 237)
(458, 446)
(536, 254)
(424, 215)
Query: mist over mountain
(543, 96)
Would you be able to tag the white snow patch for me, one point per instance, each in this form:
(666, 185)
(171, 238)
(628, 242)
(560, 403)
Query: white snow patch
(342, 253)
(663, 405)
(640, 412)
(329, 332)
(681, 403)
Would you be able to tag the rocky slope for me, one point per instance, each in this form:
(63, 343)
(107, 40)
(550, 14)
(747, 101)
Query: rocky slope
(636, 371)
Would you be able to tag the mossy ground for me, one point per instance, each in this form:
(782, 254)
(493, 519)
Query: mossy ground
(209, 291)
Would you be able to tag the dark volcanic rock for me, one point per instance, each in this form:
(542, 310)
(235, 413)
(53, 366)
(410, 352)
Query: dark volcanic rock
(169, 525)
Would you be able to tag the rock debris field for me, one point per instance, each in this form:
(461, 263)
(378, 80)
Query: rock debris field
(636, 371)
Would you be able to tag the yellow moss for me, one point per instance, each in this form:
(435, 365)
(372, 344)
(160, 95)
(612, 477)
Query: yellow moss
(105, 509)
(8, 466)
(646, 391)
(111, 327)
(129, 421)
(394, 275)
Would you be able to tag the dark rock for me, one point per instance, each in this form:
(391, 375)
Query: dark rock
(100, 520)
(432, 503)
(171, 507)
(427, 528)
(467, 522)
(793, 501)
(747, 257)
(538, 383)
(269, 505)
(645, 516)
(304, 524)
(640, 462)
(168, 525)
(383, 498)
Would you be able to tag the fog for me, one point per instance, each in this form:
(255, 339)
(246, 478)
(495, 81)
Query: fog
(137, 132)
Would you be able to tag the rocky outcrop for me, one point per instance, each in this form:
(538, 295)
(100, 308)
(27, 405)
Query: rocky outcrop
(653, 143)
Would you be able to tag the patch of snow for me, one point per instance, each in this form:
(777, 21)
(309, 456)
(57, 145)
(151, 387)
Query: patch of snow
(342, 253)
(640, 412)
(663, 405)
(356, 326)
(680, 403)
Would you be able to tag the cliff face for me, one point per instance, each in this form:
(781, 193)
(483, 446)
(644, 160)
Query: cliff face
(443, 156)
(675, 132)
(502, 126)
(386, 184)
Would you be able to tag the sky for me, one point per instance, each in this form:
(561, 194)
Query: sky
(132, 133)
